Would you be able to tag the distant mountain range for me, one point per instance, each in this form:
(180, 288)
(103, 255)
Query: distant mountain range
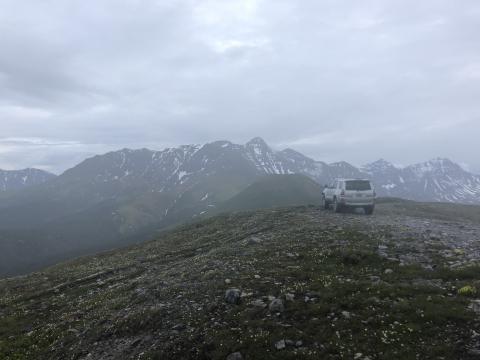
(438, 180)
(19, 179)
(123, 196)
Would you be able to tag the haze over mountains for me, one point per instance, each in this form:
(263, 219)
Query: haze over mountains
(435, 180)
(123, 196)
(19, 179)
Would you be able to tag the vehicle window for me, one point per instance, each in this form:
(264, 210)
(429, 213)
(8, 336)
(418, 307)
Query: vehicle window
(360, 185)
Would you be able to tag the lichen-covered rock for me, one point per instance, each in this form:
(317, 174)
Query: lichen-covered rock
(280, 345)
(475, 306)
(233, 296)
(276, 306)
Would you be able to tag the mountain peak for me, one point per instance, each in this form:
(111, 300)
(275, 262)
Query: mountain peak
(379, 165)
(222, 143)
(18, 179)
(436, 166)
(258, 147)
(438, 163)
(441, 161)
(341, 164)
(257, 141)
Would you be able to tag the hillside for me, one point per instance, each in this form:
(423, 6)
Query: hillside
(124, 196)
(311, 284)
(275, 191)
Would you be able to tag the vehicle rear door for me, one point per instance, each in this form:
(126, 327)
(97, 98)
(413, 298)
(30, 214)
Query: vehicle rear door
(359, 191)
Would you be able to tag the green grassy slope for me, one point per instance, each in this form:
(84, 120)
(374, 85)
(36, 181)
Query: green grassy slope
(275, 191)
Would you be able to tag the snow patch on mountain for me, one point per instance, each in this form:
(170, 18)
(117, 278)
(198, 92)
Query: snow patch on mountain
(180, 170)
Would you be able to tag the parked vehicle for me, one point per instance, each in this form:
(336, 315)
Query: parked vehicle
(349, 193)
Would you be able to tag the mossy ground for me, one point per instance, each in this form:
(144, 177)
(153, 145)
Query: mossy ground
(164, 299)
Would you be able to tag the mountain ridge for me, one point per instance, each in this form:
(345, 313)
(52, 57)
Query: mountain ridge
(13, 180)
(446, 180)
(122, 196)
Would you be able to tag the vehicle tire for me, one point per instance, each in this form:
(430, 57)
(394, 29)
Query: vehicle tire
(369, 210)
(324, 203)
(336, 206)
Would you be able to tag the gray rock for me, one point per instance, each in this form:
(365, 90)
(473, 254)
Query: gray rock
(259, 303)
(388, 271)
(299, 343)
(233, 296)
(254, 240)
(179, 327)
(276, 306)
(235, 356)
(289, 297)
(135, 342)
(475, 306)
(289, 342)
(280, 345)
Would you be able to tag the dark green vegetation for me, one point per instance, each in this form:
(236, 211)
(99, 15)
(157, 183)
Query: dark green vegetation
(352, 287)
(50, 226)
(275, 191)
(115, 199)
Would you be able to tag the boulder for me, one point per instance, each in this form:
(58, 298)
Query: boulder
(280, 345)
(233, 296)
(276, 306)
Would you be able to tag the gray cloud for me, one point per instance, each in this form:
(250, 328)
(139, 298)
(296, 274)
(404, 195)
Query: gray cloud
(338, 80)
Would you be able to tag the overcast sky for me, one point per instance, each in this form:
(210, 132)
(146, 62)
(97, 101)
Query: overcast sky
(336, 80)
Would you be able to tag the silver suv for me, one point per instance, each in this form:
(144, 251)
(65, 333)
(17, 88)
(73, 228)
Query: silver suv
(349, 193)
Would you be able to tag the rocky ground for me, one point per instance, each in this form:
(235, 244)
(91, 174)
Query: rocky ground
(274, 284)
